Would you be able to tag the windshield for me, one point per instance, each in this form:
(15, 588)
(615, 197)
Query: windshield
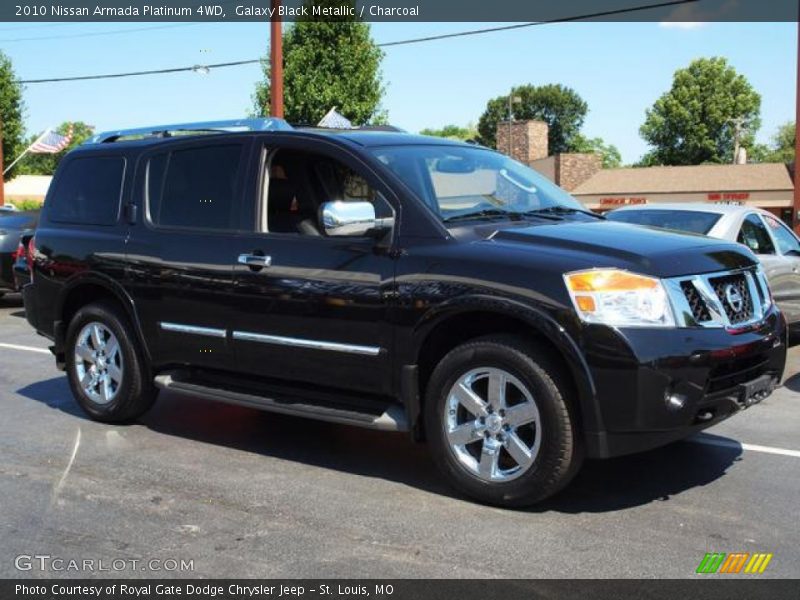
(692, 221)
(462, 182)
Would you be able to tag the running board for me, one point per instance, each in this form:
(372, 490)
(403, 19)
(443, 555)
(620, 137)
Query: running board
(393, 419)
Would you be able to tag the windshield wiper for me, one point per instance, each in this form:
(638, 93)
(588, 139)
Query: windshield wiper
(564, 210)
(482, 214)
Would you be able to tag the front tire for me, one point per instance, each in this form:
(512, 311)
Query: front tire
(105, 367)
(498, 420)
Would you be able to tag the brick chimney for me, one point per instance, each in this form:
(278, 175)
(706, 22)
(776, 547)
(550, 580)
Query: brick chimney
(525, 141)
(571, 170)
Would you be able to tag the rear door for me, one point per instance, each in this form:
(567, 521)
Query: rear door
(179, 269)
(316, 311)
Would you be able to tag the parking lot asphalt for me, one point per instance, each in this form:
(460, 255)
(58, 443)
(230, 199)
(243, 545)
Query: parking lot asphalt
(242, 493)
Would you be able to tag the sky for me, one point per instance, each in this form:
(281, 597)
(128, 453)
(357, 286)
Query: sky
(620, 69)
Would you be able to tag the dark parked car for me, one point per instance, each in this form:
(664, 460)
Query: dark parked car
(12, 226)
(22, 260)
(392, 281)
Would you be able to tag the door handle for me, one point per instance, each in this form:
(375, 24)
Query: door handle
(255, 260)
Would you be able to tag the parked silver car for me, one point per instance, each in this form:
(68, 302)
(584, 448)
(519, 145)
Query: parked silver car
(775, 244)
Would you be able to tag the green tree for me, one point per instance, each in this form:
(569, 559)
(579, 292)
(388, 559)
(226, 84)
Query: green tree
(327, 63)
(11, 112)
(559, 106)
(696, 121)
(781, 149)
(45, 164)
(453, 132)
(610, 154)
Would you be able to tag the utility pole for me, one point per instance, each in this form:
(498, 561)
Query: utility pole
(796, 204)
(512, 99)
(276, 62)
(738, 126)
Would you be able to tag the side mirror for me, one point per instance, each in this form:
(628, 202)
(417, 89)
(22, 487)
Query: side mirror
(349, 219)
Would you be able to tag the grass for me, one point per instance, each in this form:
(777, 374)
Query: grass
(26, 204)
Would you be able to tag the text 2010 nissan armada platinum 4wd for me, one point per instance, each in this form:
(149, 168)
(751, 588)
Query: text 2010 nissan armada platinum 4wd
(397, 282)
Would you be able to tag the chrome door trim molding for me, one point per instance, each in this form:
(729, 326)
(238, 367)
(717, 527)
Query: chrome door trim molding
(248, 336)
(193, 329)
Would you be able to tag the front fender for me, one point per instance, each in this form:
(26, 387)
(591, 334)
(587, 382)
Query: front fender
(538, 320)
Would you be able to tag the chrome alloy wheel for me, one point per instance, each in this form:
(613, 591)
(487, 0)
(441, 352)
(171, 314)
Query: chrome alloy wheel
(492, 424)
(98, 362)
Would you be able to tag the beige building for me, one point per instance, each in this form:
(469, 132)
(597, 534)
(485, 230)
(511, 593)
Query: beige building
(767, 185)
(27, 187)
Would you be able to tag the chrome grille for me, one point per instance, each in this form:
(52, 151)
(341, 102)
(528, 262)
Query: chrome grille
(730, 299)
(699, 308)
(734, 295)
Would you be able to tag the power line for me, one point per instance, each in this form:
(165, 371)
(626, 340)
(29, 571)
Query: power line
(586, 17)
(139, 73)
(384, 44)
(91, 33)
(97, 33)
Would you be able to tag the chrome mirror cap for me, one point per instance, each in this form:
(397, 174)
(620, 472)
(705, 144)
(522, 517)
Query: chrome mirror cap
(347, 218)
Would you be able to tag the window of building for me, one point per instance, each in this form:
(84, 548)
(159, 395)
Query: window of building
(754, 235)
(194, 188)
(786, 240)
(88, 191)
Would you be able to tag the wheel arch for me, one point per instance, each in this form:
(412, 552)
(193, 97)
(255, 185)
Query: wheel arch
(466, 319)
(84, 290)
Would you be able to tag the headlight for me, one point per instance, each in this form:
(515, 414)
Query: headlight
(619, 298)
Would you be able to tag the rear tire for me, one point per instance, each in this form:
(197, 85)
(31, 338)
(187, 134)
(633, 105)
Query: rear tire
(105, 367)
(499, 423)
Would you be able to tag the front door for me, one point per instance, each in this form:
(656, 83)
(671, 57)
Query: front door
(311, 308)
(785, 280)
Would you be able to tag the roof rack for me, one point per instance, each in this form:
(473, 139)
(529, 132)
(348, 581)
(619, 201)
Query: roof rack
(268, 124)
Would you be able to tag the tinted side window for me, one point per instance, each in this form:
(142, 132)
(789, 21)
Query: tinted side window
(785, 239)
(195, 187)
(753, 234)
(88, 191)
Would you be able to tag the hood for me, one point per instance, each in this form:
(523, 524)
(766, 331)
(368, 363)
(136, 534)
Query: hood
(632, 247)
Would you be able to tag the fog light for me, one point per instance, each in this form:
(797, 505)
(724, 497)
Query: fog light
(675, 402)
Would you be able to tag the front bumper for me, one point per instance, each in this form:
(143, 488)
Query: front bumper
(711, 373)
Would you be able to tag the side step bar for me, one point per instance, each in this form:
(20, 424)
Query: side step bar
(393, 419)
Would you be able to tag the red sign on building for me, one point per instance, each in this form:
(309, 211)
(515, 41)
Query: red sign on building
(728, 196)
(622, 200)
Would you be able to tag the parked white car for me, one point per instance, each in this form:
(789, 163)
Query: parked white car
(775, 244)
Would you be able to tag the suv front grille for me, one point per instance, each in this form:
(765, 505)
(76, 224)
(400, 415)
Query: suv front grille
(734, 295)
(726, 299)
(696, 303)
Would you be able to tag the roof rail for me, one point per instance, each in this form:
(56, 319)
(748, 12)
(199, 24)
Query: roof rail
(267, 124)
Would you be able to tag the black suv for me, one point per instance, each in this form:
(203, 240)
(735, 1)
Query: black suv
(392, 281)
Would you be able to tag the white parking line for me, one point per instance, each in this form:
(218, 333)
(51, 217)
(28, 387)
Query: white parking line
(698, 440)
(25, 348)
(750, 447)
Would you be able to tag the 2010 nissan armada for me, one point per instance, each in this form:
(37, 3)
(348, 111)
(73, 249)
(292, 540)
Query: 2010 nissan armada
(392, 281)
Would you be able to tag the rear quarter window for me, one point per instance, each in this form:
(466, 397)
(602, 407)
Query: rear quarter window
(88, 191)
